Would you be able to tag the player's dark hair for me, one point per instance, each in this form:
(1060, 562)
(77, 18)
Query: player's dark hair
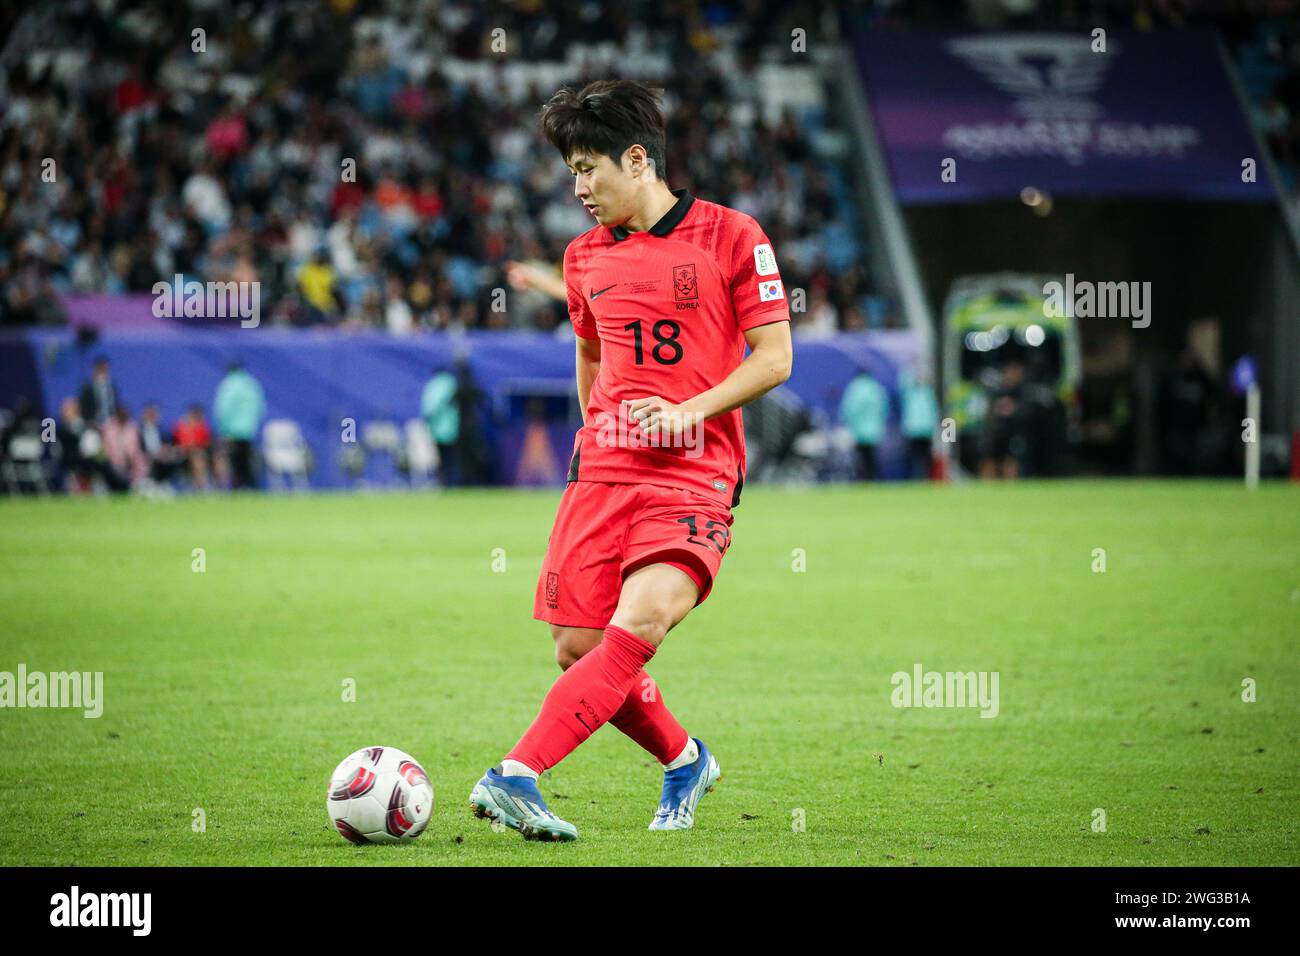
(606, 118)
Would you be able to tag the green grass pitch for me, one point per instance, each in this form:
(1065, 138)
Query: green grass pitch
(1119, 691)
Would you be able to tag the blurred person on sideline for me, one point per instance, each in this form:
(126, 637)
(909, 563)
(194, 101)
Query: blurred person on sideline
(1186, 411)
(123, 450)
(238, 409)
(920, 419)
(76, 464)
(99, 396)
(193, 439)
(164, 458)
(440, 411)
(865, 410)
(1004, 438)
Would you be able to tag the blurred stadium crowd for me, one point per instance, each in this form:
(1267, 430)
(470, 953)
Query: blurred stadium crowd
(229, 163)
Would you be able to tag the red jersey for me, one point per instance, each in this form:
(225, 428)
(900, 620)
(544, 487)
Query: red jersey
(670, 306)
(192, 434)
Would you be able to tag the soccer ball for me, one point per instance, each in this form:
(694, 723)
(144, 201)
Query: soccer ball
(380, 795)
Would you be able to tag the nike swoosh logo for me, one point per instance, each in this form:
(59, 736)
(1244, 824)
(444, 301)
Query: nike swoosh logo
(596, 295)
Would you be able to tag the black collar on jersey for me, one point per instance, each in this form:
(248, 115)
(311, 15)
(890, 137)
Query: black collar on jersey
(670, 221)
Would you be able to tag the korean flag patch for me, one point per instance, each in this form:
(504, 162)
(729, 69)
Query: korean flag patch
(767, 291)
(764, 259)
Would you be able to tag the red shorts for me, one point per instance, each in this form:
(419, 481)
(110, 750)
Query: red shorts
(604, 531)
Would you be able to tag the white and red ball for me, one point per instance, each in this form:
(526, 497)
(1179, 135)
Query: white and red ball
(380, 795)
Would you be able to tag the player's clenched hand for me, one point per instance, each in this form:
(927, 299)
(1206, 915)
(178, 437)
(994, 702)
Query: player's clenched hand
(658, 416)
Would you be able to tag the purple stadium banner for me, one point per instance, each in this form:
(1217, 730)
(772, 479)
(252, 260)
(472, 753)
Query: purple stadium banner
(1154, 115)
(119, 313)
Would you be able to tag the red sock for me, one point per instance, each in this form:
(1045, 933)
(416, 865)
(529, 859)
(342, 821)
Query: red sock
(647, 720)
(587, 695)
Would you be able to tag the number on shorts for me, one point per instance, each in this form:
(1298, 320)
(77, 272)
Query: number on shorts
(715, 531)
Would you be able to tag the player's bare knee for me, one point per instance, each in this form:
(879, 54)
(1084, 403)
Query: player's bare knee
(649, 622)
(565, 655)
(571, 643)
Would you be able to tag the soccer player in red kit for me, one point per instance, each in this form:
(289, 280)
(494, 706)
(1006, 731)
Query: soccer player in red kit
(664, 294)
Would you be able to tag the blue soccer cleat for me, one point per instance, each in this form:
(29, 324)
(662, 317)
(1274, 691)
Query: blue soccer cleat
(683, 789)
(516, 802)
